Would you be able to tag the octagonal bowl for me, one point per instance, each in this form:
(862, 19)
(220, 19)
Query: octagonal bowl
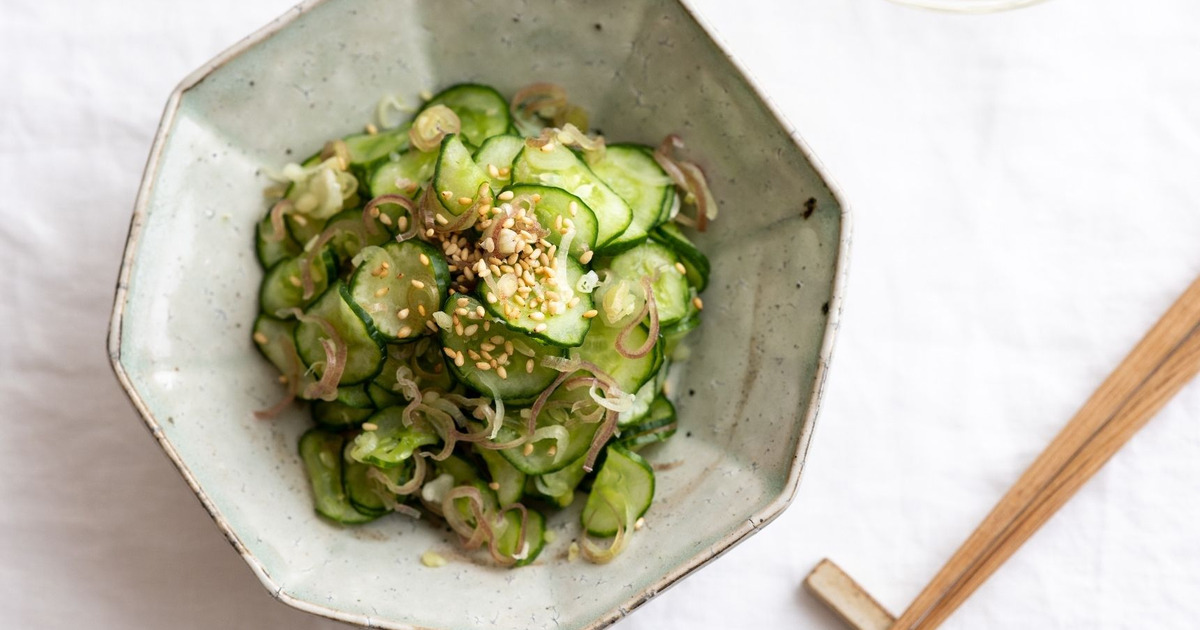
(747, 397)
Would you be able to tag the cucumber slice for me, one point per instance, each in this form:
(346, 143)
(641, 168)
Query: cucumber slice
(693, 259)
(337, 415)
(365, 347)
(641, 404)
(321, 452)
(281, 288)
(392, 442)
(303, 228)
(471, 336)
(355, 396)
(553, 203)
(462, 472)
(481, 109)
(659, 424)
(600, 348)
(275, 339)
(535, 536)
(559, 486)
(547, 455)
(498, 152)
(365, 148)
(621, 493)
(457, 177)
(564, 329)
(650, 259)
(412, 166)
(675, 333)
(561, 168)
(270, 249)
(510, 482)
(423, 359)
(350, 234)
(367, 494)
(399, 286)
(630, 170)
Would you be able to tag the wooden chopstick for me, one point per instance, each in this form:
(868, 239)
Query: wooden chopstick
(1153, 372)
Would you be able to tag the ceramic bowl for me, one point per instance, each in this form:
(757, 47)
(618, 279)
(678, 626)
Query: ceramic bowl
(747, 398)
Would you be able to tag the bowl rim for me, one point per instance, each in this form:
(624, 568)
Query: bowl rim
(755, 522)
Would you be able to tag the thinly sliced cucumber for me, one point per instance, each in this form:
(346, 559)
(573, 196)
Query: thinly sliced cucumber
(355, 396)
(509, 482)
(272, 248)
(630, 170)
(621, 494)
(275, 339)
(654, 260)
(535, 536)
(350, 233)
(399, 286)
(658, 425)
(321, 452)
(303, 228)
(367, 495)
(391, 442)
(365, 148)
(481, 110)
(641, 404)
(423, 361)
(457, 177)
(564, 329)
(561, 168)
(548, 455)
(600, 348)
(498, 153)
(693, 259)
(282, 288)
(480, 340)
(408, 168)
(553, 203)
(460, 469)
(364, 346)
(337, 415)
(559, 486)
(382, 397)
(672, 335)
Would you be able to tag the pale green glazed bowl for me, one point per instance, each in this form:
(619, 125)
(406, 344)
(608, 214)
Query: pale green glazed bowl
(748, 396)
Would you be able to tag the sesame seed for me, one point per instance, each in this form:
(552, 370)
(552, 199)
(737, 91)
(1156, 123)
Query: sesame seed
(501, 371)
(449, 352)
(385, 219)
(447, 195)
(479, 311)
(548, 147)
(493, 171)
(528, 450)
(463, 301)
(680, 268)
(402, 223)
(430, 231)
(487, 347)
(504, 171)
(403, 313)
(590, 314)
(425, 95)
(553, 450)
(529, 366)
(698, 303)
(431, 326)
(459, 360)
(424, 259)
(483, 365)
(491, 297)
(487, 326)
(381, 291)
(294, 280)
(440, 219)
(537, 315)
(574, 302)
(506, 196)
(371, 129)
(540, 328)
(640, 523)
(495, 485)
(508, 347)
(470, 330)
(464, 201)
(406, 331)
(421, 309)
(283, 379)
(417, 284)
(260, 338)
(369, 426)
(586, 257)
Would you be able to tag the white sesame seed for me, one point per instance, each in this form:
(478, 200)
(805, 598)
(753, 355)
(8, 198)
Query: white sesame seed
(424, 259)
(483, 365)
(537, 315)
(440, 219)
(506, 196)
(417, 284)
(586, 257)
(470, 330)
(421, 309)
(447, 195)
(529, 366)
(640, 523)
(540, 328)
(381, 291)
(406, 331)
(459, 360)
(493, 171)
(260, 338)
(495, 485)
(590, 314)
(464, 201)
(528, 450)
(503, 373)
(698, 303)
(369, 426)
(403, 313)
(680, 268)
(294, 280)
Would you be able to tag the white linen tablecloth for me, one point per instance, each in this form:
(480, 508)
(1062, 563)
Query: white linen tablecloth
(1026, 189)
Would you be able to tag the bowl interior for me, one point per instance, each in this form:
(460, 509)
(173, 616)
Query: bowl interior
(643, 69)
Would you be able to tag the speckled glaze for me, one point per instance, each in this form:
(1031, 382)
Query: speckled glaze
(747, 398)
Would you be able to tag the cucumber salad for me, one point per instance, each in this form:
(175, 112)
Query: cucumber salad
(482, 305)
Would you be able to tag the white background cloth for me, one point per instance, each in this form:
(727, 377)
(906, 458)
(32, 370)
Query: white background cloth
(1027, 197)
